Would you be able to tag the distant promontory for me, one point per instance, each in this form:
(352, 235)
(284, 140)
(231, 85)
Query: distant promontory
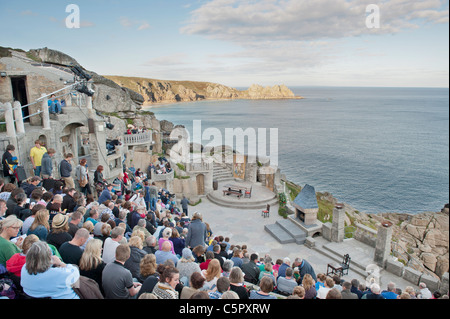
(163, 91)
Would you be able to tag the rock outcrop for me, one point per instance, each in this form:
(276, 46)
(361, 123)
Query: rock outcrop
(423, 237)
(159, 91)
(47, 55)
(275, 92)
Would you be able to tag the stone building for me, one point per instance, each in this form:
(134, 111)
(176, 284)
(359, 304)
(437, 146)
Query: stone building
(84, 128)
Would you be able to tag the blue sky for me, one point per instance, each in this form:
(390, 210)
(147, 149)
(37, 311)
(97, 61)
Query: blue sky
(241, 42)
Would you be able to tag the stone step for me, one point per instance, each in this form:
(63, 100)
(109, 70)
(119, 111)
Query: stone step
(292, 229)
(336, 257)
(279, 233)
(356, 259)
(222, 174)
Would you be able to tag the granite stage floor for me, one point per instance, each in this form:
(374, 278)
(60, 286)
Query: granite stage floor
(246, 226)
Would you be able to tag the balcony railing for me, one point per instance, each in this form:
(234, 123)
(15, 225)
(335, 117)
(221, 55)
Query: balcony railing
(137, 139)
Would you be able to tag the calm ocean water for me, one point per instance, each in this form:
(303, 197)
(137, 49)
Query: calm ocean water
(377, 149)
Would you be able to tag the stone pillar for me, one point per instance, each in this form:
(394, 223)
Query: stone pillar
(68, 97)
(9, 119)
(18, 115)
(89, 98)
(338, 225)
(383, 245)
(45, 114)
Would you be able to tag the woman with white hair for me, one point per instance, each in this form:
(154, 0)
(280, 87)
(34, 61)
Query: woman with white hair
(187, 266)
(9, 228)
(166, 233)
(375, 292)
(46, 276)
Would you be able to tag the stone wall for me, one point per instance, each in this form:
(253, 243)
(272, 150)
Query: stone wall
(365, 235)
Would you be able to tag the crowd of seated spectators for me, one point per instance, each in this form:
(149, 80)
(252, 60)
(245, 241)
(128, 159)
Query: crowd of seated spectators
(121, 246)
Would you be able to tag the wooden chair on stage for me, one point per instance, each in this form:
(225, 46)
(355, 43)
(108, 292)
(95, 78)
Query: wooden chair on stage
(248, 193)
(266, 213)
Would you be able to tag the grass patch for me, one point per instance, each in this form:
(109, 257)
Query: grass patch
(181, 167)
(2, 126)
(294, 189)
(325, 214)
(195, 204)
(282, 211)
(180, 177)
(349, 231)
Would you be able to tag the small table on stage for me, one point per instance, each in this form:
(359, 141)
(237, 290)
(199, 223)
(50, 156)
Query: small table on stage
(334, 269)
(237, 190)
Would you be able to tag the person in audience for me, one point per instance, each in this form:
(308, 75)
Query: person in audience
(355, 288)
(59, 231)
(9, 228)
(117, 281)
(187, 266)
(268, 272)
(375, 292)
(147, 267)
(166, 233)
(166, 254)
(411, 291)
(169, 279)
(282, 269)
(390, 292)
(266, 287)
(133, 264)
(251, 270)
(46, 276)
(323, 291)
(346, 292)
(15, 263)
(223, 285)
(300, 292)
(212, 274)
(40, 226)
(71, 251)
(309, 285)
(334, 294)
(91, 264)
(237, 283)
(111, 244)
(197, 232)
(196, 283)
(237, 257)
(286, 284)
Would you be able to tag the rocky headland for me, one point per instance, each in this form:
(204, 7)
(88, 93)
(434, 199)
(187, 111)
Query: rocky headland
(162, 91)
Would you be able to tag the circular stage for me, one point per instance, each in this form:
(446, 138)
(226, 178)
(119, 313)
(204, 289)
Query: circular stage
(258, 199)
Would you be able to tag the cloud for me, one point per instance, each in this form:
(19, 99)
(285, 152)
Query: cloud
(289, 38)
(125, 22)
(251, 20)
(131, 23)
(144, 26)
(29, 13)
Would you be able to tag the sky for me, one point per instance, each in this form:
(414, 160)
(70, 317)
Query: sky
(388, 43)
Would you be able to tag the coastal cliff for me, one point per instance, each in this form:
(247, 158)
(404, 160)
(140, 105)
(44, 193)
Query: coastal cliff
(161, 91)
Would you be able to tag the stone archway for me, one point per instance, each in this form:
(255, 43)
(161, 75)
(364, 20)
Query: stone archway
(69, 139)
(200, 179)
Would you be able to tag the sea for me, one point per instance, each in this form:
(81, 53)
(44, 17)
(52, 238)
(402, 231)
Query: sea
(376, 149)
